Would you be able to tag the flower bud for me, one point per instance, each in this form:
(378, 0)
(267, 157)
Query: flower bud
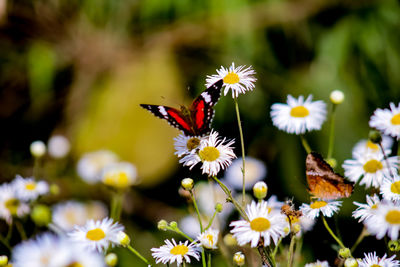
(332, 162)
(54, 189)
(218, 207)
(38, 149)
(187, 183)
(336, 97)
(123, 239)
(260, 190)
(229, 240)
(239, 258)
(111, 259)
(3, 260)
(162, 225)
(344, 253)
(350, 262)
(58, 146)
(41, 215)
(296, 228)
(375, 136)
(394, 245)
(173, 225)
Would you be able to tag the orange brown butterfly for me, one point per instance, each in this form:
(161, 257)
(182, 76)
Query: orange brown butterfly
(323, 182)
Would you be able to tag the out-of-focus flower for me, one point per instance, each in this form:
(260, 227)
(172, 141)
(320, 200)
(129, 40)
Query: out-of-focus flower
(387, 120)
(255, 170)
(239, 258)
(318, 264)
(336, 97)
(119, 175)
(365, 146)
(10, 204)
(172, 252)
(28, 189)
(38, 149)
(58, 146)
(91, 164)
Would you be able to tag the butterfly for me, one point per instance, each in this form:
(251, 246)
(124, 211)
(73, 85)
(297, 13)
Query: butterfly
(194, 120)
(323, 182)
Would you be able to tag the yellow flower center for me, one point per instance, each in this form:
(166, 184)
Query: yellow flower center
(395, 187)
(395, 119)
(12, 205)
(30, 186)
(179, 250)
(372, 166)
(74, 264)
(374, 207)
(210, 239)
(299, 112)
(209, 153)
(372, 146)
(260, 224)
(376, 265)
(393, 217)
(95, 234)
(231, 78)
(117, 179)
(192, 143)
(318, 204)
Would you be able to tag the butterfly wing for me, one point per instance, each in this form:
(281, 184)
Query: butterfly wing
(323, 182)
(173, 116)
(202, 111)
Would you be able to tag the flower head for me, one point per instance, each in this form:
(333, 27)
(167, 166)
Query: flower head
(387, 120)
(365, 211)
(28, 189)
(172, 252)
(365, 146)
(10, 204)
(97, 235)
(313, 209)
(371, 260)
(186, 145)
(91, 164)
(255, 170)
(318, 264)
(38, 149)
(58, 146)
(209, 238)
(298, 115)
(119, 175)
(262, 224)
(390, 188)
(386, 220)
(239, 79)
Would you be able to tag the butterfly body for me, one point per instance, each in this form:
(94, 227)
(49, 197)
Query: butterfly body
(323, 182)
(194, 120)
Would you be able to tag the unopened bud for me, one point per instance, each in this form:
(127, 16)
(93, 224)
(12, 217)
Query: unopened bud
(218, 207)
(111, 259)
(296, 228)
(41, 215)
(38, 149)
(173, 225)
(54, 189)
(375, 136)
(260, 190)
(162, 225)
(337, 97)
(350, 262)
(239, 258)
(3, 260)
(344, 253)
(187, 183)
(123, 239)
(394, 245)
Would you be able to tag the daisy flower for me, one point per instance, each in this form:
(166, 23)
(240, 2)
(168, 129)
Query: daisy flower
(58, 146)
(365, 211)
(209, 238)
(318, 264)
(366, 146)
(385, 220)
(255, 171)
(261, 224)
(298, 115)
(90, 165)
(390, 188)
(185, 145)
(28, 189)
(371, 260)
(10, 204)
(97, 235)
(213, 152)
(387, 120)
(239, 79)
(172, 252)
(119, 175)
(371, 167)
(49, 250)
(313, 209)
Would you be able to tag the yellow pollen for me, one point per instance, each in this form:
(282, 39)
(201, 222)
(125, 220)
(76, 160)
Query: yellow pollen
(260, 224)
(393, 217)
(395, 119)
(192, 143)
(376, 265)
(318, 204)
(372, 166)
(95, 234)
(209, 153)
(395, 187)
(210, 239)
(75, 264)
(179, 250)
(374, 207)
(372, 146)
(30, 186)
(12, 205)
(231, 78)
(117, 179)
(299, 112)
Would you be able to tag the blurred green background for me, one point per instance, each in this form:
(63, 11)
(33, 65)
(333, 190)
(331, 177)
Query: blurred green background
(81, 69)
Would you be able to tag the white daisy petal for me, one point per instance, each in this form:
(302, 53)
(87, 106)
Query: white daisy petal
(29, 189)
(387, 120)
(386, 220)
(209, 238)
(313, 210)
(365, 211)
(390, 188)
(318, 264)
(172, 252)
(10, 204)
(371, 259)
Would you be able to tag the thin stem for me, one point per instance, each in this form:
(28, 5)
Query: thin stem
(211, 220)
(9, 232)
(197, 210)
(183, 263)
(20, 229)
(203, 258)
(332, 131)
(276, 248)
(386, 159)
(291, 248)
(5, 242)
(116, 205)
(36, 167)
(331, 232)
(305, 144)
(243, 152)
(209, 259)
(360, 238)
(178, 231)
(134, 251)
(231, 199)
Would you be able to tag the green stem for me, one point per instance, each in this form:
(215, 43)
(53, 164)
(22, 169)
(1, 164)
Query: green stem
(21, 230)
(134, 251)
(243, 152)
(331, 131)
(178, 231)
(9, 232)
(305, 144)
(386, 159)
(36, 167)
(331, 232)
(209, 259)
(183, 263)
(116, 205)
(276, 248)
(360, 238)
(203, 258)
(291, 248)
(5, 242)
(231, 199)
(211, 220)
(197, 210)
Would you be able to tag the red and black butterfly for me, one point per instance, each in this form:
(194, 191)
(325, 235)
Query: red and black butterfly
(194, 120)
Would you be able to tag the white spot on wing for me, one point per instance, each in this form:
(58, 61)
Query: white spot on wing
(163, 111)
(206, 96)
